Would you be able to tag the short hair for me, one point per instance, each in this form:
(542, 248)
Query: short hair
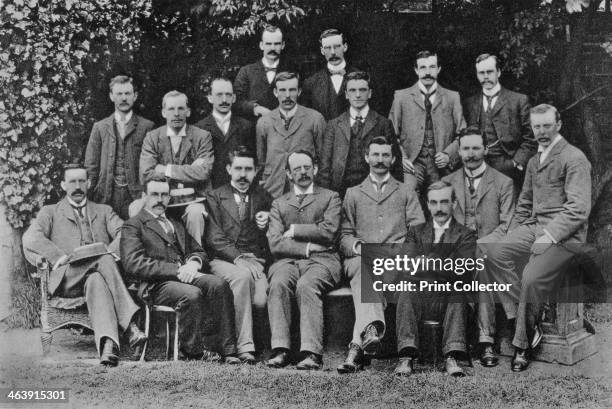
(285, 76)
(358, 75)
(439, 185)
(544, 108)
(241, 151)
(270, 29)
(301, 152)
(219, 78)
(331, 32)
(121, 79)
(425, 54)
(154, 178)
(73, 166)
(485, 56)
(172, 94)
(472, 130)
(380, 140)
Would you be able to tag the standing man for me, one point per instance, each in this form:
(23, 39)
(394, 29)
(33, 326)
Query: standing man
(228, 131)
(303, 228)
(346, 139)
(288, 128)
(426, 117)
(503, 116)
(113, 150)
(74, 222)
(324, 90)
(379, 210)
(236, 236)
(181, 153)
(551, 216)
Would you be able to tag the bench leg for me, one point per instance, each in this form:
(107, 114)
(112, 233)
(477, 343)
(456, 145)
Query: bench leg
(146, 328)
(176, 336)
(45, 340)
(167, 338)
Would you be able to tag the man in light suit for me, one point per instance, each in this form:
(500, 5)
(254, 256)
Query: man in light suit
(73, 222)
(550, 220)
(503, 116)
(236, 236)
(228, 130)
(346, 138)
(303, 229)
(379, 210)
(288, 128)
(426, 117)
(113, 150)
(181, 153)
(485, 204)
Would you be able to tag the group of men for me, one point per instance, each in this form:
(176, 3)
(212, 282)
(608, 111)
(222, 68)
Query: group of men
(237, 215)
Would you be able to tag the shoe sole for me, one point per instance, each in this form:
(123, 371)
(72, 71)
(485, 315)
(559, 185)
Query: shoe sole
(489, 364)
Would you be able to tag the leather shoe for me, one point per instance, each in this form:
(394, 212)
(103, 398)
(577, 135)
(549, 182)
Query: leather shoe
(520, 362)
(247, 358)
(537, 336)
(453, 368)
(110, 353)
(279, 360)
(135, 336)
(370, 340)
(311, 362)
(488, 357)
(205, 355)
(405, 366)
(354, 360)
(232, 360)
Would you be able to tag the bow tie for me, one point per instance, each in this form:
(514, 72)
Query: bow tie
(341, 71)
(267, 69)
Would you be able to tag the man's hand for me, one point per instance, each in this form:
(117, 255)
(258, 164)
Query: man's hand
(408, 166)
(317, 248)
(442, 159)
(252, 265)
(289, 233)
(541, 244)
(160, 170)
(189, 271)
(261, 219)
(260, 111)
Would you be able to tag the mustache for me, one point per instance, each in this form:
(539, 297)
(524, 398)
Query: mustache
(77, 191)
(224, 104)
(440, 213)
(245, 180)
(334, 58)
(381, 166)
(287, 100)
(272, 52)
(429, 77)
(304, 178)
(160, 204)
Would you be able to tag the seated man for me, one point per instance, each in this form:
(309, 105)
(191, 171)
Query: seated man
(170, 265)
(303, 228)
(73, 222)
(441, 238)
(236, 236)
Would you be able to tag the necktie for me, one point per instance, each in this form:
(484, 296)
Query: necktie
(268, 69)
(471, 180)
(242, 205)
(379, 186)
(357, 125)
(439, 235)
(427, 99)
(300, 198)
(341, 71)
(490, 100)
(79, 210)
(167, 225)
(287, 121)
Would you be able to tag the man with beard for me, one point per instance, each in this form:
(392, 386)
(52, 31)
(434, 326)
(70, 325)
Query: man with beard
(111, 158)
(74, 222)
(228, 131)
(324, 90)
(379, 210)
(503, 116)
(426, 117)
(288, 128)
(302, 233)
(236, 236)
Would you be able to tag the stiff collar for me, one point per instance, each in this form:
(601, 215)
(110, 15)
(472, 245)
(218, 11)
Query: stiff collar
(128, 116)
(492, 91)
(182, 132)
(338, 67)
(546, 150)
(298, 191)
(157, 217)
(478, 171)
(220, 118)
(363, 113)
(265, 63)
(385, 179)
(75, 204)
(424, 90)
(445, 226)
(238, 189)
(289, 114)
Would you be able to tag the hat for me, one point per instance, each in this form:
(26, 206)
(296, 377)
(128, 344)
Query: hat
(184, 197)
(88, 251)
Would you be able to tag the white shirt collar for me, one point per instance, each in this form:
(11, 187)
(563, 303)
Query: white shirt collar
(265, 63)
(75, 204)
(289, 114)
(363, 113)
(128, 116)
(476, 171)
(338, 67)
(298, 191)
(425, 90)
(182, 132)
(546, 150)
(155, 216)
(237, 188)
(385, 179)
(444, 226)
(220, 118)
(493, 90)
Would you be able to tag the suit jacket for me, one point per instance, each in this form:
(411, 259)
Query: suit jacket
(223, 227)
(495, 202)
(100, 156)
(316, 220)
(557, 194)
(370, 218)
(336, 145)
(274, 144)
(55, 232)
(510, 117)
(318, 93)
(408, 117)
(240, 132)
(148, 254)
(195, 159)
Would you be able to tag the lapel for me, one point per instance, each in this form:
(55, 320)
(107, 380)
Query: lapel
(427, 237)
(487, 182)
(415, 91)
(460, 189)
(502, 99)
(370, 121)
(229, 202)
(109, 129)
(368, 189)
(345, 125)
(556, 150)
(293, 201)
(477, 106)
(211, 125)
(440, 94)
(450, 235)
(297, 121)
(164, 145)
(151, 223)
(186, 144)
(277, 122)
(91, 213)
(179, 231)
(261, 72)
(67, 211)
(131, 126)
(230, 130)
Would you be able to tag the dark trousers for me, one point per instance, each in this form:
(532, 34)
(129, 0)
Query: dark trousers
(205, 295)
(504, 164)
(120, 201)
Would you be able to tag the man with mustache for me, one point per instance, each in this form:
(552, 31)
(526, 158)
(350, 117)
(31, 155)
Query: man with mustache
(503, 116)
(236, 236)
(74, 222)
(228, 130)
(549, 225)
(114, 147)
(303, 228)
(288, 128)
(485, 204)
(426, 117)
(324, 90)
(441, 238)
(173, 270)
(379, 210)
(181, 153)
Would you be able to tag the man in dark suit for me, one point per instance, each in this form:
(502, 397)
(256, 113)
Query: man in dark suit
(172, 267)
(236, 236)
(324, 90)
(503, 116)
(228, 131)
(441, 238)
(73, 222)
(113, 150)
(346, 138)
(303, 228)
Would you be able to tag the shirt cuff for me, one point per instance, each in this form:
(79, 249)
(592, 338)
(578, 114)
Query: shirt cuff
(238, 258)
(168, 172)
(549, 236)
(355, 246)
(196, 258)
(308, 250)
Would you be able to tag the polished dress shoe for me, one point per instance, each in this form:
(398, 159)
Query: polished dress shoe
(232, 360)
(135, 336)
(488, 357)
(370, 340)
(247, 358)
(405, 366)
(354, 360)
(311, 362)
(110, 353)
(279, 360)
(452, 367)
(519, 360)
(205, 355)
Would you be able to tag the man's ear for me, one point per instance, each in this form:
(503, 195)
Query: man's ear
(315, 170)
(209, 98)
(228, 167)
